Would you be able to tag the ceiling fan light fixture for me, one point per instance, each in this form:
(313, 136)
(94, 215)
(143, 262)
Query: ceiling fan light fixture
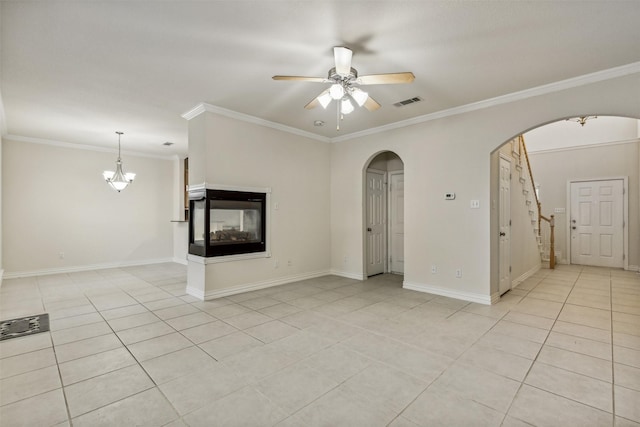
(359, 96)
(347, 106)
(336, 91)
(325, 99)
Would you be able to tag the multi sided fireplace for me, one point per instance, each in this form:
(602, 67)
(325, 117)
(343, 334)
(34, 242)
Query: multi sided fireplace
(226, 222)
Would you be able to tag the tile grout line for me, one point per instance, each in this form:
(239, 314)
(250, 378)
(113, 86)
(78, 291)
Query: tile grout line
(55, 355)
(613, 370)
(545, 340)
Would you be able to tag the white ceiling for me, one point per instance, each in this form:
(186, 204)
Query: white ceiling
(77, 71)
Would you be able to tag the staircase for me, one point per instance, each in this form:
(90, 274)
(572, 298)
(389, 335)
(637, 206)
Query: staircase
(544, 232)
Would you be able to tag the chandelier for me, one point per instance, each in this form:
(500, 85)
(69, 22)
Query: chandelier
(118, 180)
(582, 120)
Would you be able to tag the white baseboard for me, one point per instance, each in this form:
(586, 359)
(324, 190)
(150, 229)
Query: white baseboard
(76, 269)
(1, 276)
(451, 293)
(634, 268)
(515, 282)
(355, 276)
(180, 261)
(219, 293)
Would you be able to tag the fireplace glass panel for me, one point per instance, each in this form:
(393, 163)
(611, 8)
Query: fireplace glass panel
(234, 222)
(198, 222)
(226, 222)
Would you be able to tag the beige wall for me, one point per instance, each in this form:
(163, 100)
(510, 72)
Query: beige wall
(453, 154)
(235, 153)
(553, 169)
(55, 200)
(1, 238)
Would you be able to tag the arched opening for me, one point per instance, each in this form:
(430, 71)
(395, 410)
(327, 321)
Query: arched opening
(383, 233)
(586, 176)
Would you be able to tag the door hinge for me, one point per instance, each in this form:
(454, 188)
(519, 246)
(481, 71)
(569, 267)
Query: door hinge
(509, 269)
(509, 223)
(624, 256)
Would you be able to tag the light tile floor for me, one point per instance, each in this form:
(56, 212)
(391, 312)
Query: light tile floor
(129, 347)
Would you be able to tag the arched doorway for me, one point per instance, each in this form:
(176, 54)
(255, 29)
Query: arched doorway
(574, 167)
(384, 214)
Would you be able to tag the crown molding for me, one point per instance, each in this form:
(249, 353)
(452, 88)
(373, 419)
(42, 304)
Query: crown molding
(204, 107)
(584, 147)
(86, 147)
(561, 85)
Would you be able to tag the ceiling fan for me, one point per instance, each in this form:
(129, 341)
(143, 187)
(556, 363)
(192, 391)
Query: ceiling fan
(344, 82)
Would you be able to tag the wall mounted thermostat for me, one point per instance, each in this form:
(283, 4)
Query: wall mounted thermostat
(449, 196)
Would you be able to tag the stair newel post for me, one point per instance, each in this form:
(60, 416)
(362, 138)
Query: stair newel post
(552, 252)
(539, 219)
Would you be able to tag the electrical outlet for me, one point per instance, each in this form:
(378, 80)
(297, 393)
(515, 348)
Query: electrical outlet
(345, 261)
(475, 204)
(276, 264)
(61, 255)
(289, 263)
(458, 273)
(434, 269)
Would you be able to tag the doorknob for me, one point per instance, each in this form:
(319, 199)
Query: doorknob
(573, 221)
(502, 233)
(573, 228)
(369, 229)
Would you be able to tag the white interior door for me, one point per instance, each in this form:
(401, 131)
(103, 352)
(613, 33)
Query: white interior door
(597, 223)
(396, 231)
(376, 223)
(504, 221)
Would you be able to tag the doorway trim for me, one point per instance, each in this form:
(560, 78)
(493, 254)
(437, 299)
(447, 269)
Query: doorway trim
(390, 253)
(507, 159)
(625, 215)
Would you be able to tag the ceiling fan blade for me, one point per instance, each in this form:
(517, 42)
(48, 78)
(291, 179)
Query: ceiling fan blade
(371, 104)
(316, 101)
(301, 78)
(342, 57)
(386, 79)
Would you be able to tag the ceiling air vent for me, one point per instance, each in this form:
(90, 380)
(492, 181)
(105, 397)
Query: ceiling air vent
(408, 101)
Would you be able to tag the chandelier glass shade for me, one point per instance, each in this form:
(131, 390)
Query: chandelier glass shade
(581, 120)
(118, 180)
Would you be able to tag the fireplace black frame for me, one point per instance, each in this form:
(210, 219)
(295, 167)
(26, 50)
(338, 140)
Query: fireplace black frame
(236, 248)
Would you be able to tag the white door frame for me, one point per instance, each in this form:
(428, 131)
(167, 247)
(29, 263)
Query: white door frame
(389, 176)
(500, 255)
(625, 216)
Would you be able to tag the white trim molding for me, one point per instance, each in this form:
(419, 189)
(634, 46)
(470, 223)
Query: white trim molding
(348, 275)
(204, 107)
(452, 293)
(219, 293)
(74, 146)
(524, 276)
(584, 147)
(76, 269)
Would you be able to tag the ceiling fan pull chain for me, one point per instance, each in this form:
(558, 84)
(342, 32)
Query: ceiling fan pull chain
(338, 115)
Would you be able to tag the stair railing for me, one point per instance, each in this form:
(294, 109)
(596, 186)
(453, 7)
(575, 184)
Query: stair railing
(550, 219)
